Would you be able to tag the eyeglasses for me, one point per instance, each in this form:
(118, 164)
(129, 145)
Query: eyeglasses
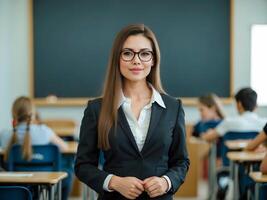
(144, 55)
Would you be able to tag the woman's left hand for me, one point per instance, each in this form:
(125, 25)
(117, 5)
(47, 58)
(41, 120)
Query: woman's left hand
(155, 186)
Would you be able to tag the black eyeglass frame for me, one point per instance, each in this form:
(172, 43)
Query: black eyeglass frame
(138, 53)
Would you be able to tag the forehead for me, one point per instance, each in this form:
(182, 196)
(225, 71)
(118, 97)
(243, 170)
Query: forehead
(137, 42)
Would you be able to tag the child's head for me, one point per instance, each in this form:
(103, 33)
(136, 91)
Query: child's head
(22, 110)
(246, 100)
(210, 107)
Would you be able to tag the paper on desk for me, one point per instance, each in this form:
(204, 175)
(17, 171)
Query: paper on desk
(15, 175)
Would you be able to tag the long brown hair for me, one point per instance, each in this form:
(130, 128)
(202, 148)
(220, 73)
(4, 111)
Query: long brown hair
(212, 100)
(113, 81)
(22, 111)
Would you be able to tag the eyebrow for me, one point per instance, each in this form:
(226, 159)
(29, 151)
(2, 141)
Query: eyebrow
(140, 49)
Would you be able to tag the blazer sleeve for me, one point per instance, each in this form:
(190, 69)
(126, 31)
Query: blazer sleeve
(86, 162)
(178, 156)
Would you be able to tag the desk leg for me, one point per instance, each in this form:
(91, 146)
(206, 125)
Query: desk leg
(236, 182)
(52, 192)
(257, 190)
(59, 187)
(232, 169)
(212, 172)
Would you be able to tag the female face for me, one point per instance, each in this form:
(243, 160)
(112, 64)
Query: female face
(207, 113)
(136, 58)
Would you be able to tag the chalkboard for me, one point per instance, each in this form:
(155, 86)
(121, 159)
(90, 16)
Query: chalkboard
(72, 41)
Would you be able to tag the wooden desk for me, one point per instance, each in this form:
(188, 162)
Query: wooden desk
(72, 148)
(241, 157)
(236, 144)
(64, 132)
(245, 156)
(62, 127)
(52, 180)
(259, 178)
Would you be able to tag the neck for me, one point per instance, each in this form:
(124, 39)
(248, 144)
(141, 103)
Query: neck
(137, 90)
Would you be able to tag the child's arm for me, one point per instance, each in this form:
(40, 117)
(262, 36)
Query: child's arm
(263, 166)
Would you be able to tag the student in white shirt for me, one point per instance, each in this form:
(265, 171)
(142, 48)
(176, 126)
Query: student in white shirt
(139, 128)
(247, 121)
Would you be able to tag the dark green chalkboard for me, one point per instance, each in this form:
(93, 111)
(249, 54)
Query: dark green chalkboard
(72, 41)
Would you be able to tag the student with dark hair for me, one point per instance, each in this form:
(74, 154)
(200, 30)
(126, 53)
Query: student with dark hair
(247, 98)
(138, 127)
(248, 120)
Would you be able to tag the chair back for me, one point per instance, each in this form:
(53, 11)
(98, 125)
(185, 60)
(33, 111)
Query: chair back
(15, 193)
(234, 136)
(44, 158)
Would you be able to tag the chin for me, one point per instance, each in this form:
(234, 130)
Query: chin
(135, 78)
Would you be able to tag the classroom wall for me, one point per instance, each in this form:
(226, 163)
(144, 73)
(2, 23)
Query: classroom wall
(14, 57)
(14, 60)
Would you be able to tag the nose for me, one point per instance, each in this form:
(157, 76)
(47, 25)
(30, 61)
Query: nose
(136, 60)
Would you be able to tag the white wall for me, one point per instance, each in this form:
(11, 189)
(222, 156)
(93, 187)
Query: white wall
(4, 94)
(14, 57)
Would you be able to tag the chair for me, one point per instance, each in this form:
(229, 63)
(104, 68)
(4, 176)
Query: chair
(15, 193)
(234, 136)
(44, 158)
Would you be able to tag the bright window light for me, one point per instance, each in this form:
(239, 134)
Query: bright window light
(259, 62)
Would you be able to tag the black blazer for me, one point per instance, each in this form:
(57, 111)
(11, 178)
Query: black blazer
(164, 151)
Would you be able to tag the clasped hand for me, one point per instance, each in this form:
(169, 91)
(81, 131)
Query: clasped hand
(131, 187)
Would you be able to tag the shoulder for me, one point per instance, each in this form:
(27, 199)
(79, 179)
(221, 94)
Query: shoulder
(94, 103)
(36, 128)
(230, 121)
(93, 106)
(171, 102)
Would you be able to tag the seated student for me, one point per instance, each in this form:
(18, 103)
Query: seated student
(27, 133)
(211, 113)
(261, 137)
(263, 169)
(246, 102)
(248, 120)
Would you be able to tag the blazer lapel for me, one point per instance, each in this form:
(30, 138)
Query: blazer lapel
(126, 128)
(156, 111)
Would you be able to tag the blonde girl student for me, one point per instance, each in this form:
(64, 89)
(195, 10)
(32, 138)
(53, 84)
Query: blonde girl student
(27, 133)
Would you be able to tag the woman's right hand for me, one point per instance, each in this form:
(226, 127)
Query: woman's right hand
(129, 187)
